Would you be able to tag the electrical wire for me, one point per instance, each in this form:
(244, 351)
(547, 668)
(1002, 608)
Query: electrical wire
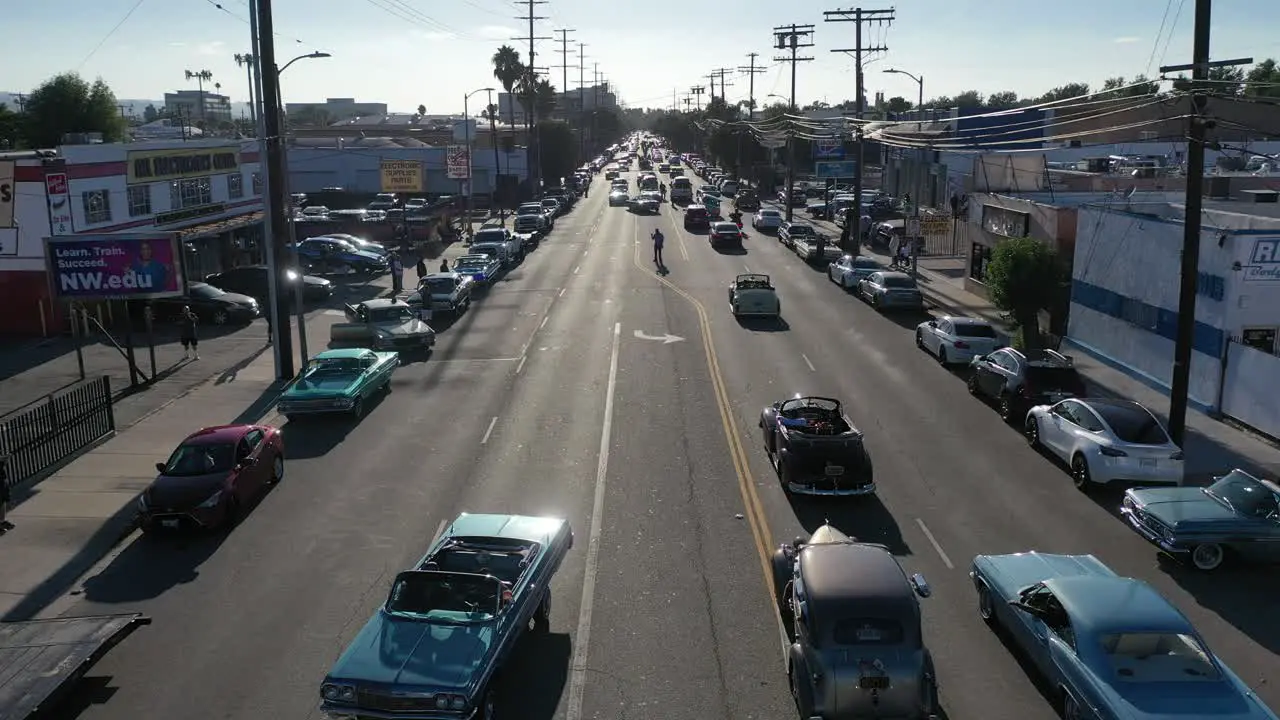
(109, 34)
(220, 7)
(1155, 46)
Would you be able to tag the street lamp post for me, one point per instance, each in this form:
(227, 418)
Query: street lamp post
(493, 140)
(466, 129)
(773, 152)
(915, 243)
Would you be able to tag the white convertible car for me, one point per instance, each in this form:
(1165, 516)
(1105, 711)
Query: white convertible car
(752, 295)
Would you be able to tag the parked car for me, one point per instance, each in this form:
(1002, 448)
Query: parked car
(331, 255)
(211, 304)
(747, 199)
(211, 476)
(618, 198)
(383, 324)
(254, 281)
(1236, 518)
(338, 381)
(849, 270)
(1106, 441)
(483, 269)
(815, 448)
(887, 290)
(766, 219)
(1106, 646)
(360, 243)
(435, 646)
(753, 294)
(790, 232)
(443, 292)
(499, 236)
(853, 617)
(725, 233)
(956, 339)
(1019, 380)
(696, 218)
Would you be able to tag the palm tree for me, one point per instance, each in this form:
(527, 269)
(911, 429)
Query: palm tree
(543, 99)
(508, 70)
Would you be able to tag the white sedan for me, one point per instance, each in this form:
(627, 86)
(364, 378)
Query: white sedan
(767, 219)
(954, 339)
(1104, 441)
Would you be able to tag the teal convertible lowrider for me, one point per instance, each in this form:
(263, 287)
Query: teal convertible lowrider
(432, 651)
(338, 381)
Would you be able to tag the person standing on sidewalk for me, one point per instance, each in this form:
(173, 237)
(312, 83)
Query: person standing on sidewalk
(5, 497)
(190, 342)
(421, 268)
(397, 273)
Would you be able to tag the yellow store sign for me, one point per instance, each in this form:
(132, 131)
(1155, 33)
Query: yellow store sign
(157, 165)
(401, 176)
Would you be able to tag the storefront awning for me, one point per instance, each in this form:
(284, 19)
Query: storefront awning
(220, 226)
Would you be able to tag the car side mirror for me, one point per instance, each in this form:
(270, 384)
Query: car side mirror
(160, 467)
(1032, 611)
(933, 323)
(980, 358)
(920, 585)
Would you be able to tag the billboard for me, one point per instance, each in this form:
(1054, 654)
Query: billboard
(401, 176)
(840, 169)
(116, 265)
(58, 190)
(146, 166)
(8, 192)
(1264, 261)
(458, 159)
(828, 149)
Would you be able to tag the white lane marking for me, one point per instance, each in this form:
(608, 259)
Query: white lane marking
(808, 362)
(575, 270)
(936, 545)
(489, 431)
(561, 292)
(747, 268)
(521, 365)
(435, 537)
(581, 640)
(543, 324)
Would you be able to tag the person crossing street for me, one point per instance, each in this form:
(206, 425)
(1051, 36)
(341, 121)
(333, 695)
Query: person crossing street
(658, 241)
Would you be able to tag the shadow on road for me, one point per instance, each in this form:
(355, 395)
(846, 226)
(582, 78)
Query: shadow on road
(534, 679)
(308, 437)
(150, 566)
(1237, 594)
(763, 324)
(86, 692)
(864, 518)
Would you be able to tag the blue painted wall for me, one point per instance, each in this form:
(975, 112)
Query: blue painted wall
(358, 169)
(1019, 129)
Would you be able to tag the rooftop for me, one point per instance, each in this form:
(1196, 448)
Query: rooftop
(1108, 604)
(853, 571)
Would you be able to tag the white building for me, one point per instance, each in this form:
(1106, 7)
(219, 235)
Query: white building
(1124, 300)
(338, 108)
(198, 105)
(593, 97)
(207, 191)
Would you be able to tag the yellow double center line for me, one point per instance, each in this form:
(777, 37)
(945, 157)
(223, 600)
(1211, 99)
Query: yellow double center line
(746, 481)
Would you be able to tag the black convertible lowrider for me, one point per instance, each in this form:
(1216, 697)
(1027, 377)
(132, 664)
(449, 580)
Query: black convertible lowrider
(815, 448)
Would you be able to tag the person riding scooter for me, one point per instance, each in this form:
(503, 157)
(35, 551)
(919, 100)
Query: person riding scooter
(736, 216)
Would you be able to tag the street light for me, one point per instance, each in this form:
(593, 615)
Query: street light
(466, 128)
(915, 243)
(275, 256)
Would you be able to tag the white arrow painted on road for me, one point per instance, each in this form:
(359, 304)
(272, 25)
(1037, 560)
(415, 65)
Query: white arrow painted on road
(666, 339)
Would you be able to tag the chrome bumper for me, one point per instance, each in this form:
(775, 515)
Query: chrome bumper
(1149, 534)
(346, 712)
(799, 489)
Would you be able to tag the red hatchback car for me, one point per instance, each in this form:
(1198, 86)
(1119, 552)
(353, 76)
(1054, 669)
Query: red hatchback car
(211, 476)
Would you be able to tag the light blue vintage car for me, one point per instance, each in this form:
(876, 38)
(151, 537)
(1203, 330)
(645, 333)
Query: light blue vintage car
(431, 651)
(1107, 646)
(338, 381)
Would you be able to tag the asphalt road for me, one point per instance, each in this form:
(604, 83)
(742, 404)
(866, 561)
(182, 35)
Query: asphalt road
(583, 349)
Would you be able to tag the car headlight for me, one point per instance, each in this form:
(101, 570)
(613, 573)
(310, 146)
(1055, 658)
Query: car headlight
(346, 403)
(338, 693)
(1168, 535)
(212, 501)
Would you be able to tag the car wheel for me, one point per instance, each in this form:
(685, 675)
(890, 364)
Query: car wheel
(219, 317)
(277, 469)
(1080, 476)
(357, 410)
(1208, 556)
(972, 384)
(489, 705)
(1006, 407)
(942, 356)
(1032, 432)
(232, 515)
(541, 620)
(919, 340)
(929, 691)
(986, 604)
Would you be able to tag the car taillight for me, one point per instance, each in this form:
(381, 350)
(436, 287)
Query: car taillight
(961, 345)
(1177, 455)
(1112, 452)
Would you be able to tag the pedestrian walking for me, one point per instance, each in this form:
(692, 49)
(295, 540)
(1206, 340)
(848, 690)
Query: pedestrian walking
(268, 313)
(822, 248)
(397, 273)
(190, 342)
(5, 497)
(422, 268)
(658, 241)
(444, 265)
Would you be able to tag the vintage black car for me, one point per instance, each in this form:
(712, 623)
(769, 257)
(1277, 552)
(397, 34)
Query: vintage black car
(853, 618)
(815, 448)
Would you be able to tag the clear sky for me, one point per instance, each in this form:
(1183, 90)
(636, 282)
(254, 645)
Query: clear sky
(406, 52)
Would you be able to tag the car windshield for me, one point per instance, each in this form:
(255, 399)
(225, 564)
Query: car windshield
(1132, 423)
(440, 286)
(866, 264)
(201, 291)
(391, 314)
(974, 330)
(529, 210)
(487, 250)
(201, 459)
(770, 213)
(1154, 657)
(445, 596)
(1243, 494)
(1063, 378)
(899, 282)
(696, 212)
(328, 367)
(800, 230)
(471, 265)
(867, 631)
(495, 236)
(726, 228)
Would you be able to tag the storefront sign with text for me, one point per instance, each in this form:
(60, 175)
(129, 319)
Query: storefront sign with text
(146, 166)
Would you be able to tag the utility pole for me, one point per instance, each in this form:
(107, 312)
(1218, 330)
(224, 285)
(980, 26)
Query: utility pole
(564, 58)
(720, 73)
(530, 125)
(1200, 123)
(859, 17)
(697, 94)
(792, 37)
(276, 203)
(711, 76)
(247, 61)
(751, 72)
(595, 101)
(22, 102)
(582, 101)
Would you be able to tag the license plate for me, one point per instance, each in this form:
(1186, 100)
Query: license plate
(834, 470)
(169, 523)
(1147, 462)
(873, 683)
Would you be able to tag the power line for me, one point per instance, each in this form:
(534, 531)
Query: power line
(530, 83)
(751, 72)
(111, 32)
(564, 57)
(792, 37)
(720, 73)
(582, 100)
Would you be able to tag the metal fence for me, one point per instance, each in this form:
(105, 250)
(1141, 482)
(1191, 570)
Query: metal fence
(38, 437)
(944, 237)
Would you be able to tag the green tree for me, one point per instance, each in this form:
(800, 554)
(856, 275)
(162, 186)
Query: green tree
(1002, 100)
(10, 128)
(559, 150)
(1023, 277)
(542, 98)
(507, 70)
(968, 99)
(150, 114)
(65, 104)
(1064, 92)
(898, 105)
(1263, 80)
(1227, 80)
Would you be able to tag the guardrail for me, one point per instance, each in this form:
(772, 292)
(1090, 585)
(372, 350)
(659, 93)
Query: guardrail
(41, 436)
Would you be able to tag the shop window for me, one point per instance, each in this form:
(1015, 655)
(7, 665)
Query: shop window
(190, 193)
(1005, 222)
(980, 257)
(235, 186)
(97, 206)
(139, 200)
(257, 183)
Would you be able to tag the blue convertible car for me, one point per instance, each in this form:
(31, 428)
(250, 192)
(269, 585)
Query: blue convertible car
(433, 650)
(1108, 646)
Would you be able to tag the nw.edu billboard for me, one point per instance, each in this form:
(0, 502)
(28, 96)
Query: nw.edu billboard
(122, 265)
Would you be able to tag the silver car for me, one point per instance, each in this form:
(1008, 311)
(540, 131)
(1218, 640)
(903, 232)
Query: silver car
(853, 618)
(887, 290)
